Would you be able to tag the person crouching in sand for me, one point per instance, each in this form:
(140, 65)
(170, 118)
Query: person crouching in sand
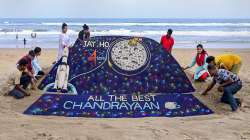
(230, 84)
(30, 71)
(229, 62)
(35, 64)
(21, 80)
(201, 72)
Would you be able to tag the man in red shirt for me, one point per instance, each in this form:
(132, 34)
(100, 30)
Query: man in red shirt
(29, 57)
(167, 41)
(30, 72)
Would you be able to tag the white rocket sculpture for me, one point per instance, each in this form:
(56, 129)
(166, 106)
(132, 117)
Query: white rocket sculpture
(61, 81)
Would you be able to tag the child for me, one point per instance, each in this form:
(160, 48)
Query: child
(35, 64)
(201, 73)
(230, 84)
(21, 80)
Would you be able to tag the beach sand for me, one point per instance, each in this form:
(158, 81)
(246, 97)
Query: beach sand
(223, 125)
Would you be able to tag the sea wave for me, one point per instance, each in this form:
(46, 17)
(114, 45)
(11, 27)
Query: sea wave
(147, 24)
(142, 33)
(188, 24)
(177, 33)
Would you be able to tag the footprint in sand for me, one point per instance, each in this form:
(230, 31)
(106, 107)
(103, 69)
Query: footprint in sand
(46, 136)
(106, 126)
(187, 137)
(245, 135)
(242, 136)
(246, 106)
(158, 133)
(236, 118)
(24, 125)
(92, 138)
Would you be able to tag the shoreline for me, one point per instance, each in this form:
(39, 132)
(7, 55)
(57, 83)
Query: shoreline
(193, 46)
(185, 42)
(223, 49)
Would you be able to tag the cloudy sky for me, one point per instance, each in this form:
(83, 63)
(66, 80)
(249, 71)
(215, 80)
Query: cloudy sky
(124, 8)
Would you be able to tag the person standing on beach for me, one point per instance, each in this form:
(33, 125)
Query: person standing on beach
(33, 37)
(229, 62)
(64, 41)
(17, 40)
(85, 33)
(167, 41)
(24, 41)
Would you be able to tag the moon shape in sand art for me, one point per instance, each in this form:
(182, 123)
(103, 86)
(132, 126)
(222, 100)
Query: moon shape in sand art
(127, 57)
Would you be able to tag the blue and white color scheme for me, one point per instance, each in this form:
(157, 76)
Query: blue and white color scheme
(119, 76)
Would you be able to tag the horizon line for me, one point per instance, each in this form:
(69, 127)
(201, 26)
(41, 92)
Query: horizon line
(110, 18)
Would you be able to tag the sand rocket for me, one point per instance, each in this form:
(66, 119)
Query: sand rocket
(61, 81)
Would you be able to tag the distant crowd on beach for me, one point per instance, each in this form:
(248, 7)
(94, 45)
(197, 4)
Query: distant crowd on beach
(223, 69)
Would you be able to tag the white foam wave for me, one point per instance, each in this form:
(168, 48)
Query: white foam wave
(143, 33)
(178, 33)
(6, 23)
(29, 32)
(148, 24)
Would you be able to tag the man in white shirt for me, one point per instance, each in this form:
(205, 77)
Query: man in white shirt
(64, 41)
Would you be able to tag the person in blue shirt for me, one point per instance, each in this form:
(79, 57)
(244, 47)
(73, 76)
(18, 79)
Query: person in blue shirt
(35, 63)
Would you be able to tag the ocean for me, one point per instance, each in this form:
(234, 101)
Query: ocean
(212, 33)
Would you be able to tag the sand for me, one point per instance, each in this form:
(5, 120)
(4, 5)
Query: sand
(222, 125)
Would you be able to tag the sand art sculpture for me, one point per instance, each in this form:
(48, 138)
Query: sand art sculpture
(117, 76)
(62, 74)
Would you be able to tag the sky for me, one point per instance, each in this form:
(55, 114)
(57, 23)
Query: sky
(125, 9)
